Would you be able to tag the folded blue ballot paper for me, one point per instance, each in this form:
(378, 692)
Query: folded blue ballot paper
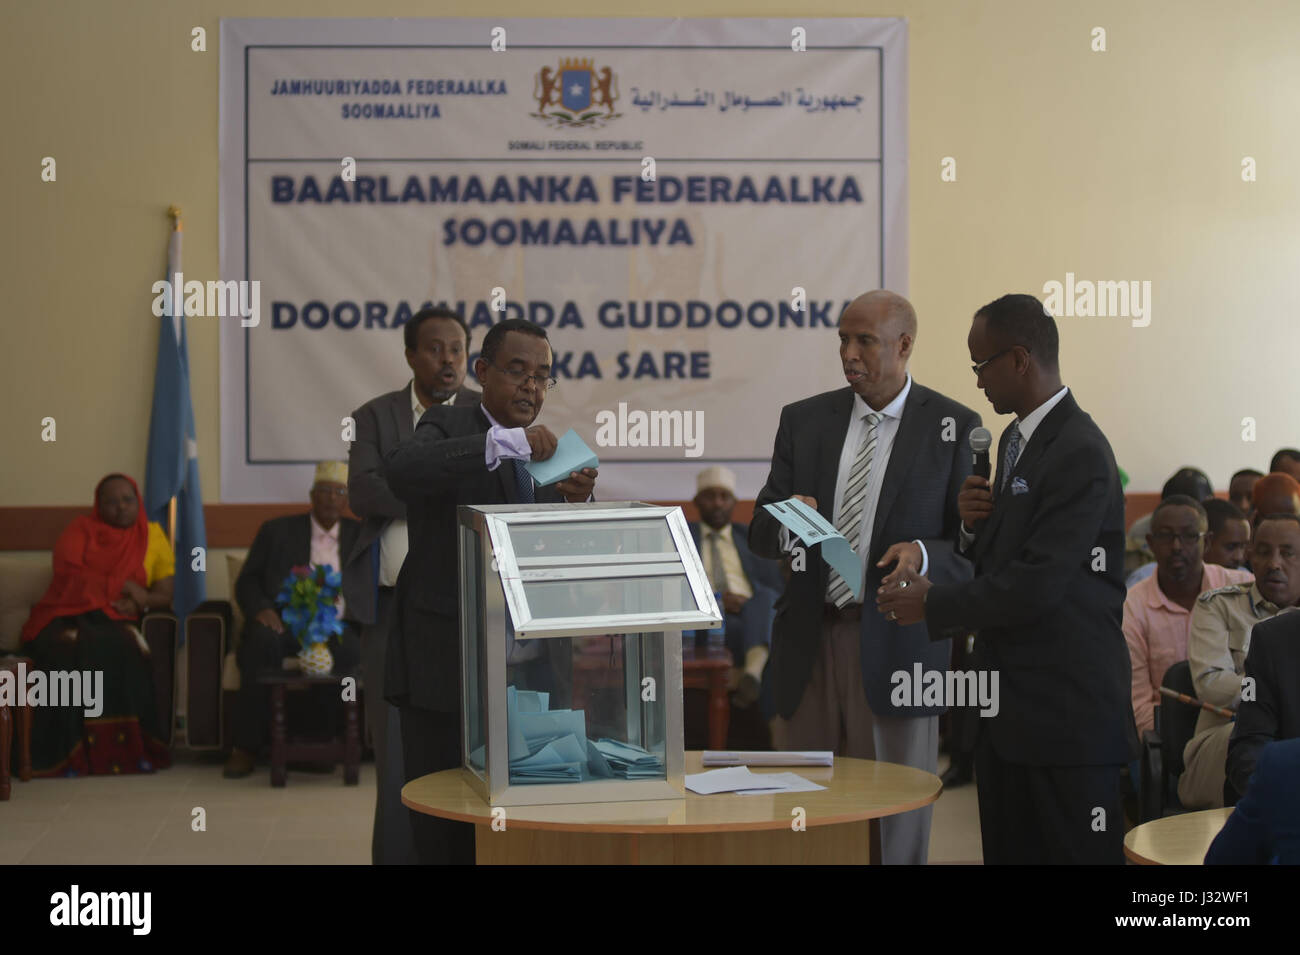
(811, 528)
(551, 746)
(571, 454)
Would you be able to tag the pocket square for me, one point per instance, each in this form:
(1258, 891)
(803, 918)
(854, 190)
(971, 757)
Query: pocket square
(1018, 486)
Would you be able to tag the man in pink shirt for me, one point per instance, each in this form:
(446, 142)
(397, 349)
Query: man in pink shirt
(1158, 610)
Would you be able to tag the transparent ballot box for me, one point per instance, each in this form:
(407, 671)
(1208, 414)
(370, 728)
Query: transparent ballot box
(571, 620)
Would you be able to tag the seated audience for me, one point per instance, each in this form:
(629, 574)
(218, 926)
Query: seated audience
(1271, 709)
(1191, 482)
(1228, 533)
(1217, 647)
(1286, 461)
(1242, 487)
(321, 537)
(749, 585)
(1265, 827)
(1158, 610)
(109, 568)
(1275, 493)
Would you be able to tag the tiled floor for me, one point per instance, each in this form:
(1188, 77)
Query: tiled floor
(315, 820)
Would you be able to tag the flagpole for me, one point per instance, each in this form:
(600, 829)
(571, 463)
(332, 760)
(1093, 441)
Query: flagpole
(174, 212)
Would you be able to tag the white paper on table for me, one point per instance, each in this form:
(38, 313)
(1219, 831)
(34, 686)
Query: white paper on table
(789, 783)
(726, 757)
(727, 780)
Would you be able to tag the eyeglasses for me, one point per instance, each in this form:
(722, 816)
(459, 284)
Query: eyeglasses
(979, 365)
(518, 377)
(336, 491)
(1168, 537)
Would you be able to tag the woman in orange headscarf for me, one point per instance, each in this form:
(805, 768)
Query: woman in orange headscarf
(109, 568)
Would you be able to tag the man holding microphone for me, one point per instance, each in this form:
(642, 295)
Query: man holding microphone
(1047, 543)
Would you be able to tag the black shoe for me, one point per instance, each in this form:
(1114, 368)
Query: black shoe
(955, 776)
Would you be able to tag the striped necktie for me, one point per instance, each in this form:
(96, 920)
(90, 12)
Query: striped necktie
(1009, 455)
(523, 482)
(855, 496)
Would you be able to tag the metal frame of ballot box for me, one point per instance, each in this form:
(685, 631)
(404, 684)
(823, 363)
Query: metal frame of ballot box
(492, 585)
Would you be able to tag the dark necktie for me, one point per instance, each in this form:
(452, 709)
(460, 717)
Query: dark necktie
(715, 558)
(1009, 455)
(524, 483)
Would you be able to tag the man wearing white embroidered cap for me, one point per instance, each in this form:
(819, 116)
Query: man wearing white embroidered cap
(749, 585)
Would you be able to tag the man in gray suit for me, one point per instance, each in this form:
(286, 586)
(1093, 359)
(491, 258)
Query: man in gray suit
(437, 347)
(883, 460)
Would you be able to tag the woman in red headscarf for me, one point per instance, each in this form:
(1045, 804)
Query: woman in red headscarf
(109, 568)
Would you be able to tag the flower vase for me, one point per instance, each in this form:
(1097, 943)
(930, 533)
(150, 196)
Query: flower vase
(316, 659)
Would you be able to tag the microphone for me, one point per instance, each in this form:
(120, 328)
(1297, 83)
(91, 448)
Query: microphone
(981, 439)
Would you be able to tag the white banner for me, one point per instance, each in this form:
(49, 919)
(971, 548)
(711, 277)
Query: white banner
(685, 205)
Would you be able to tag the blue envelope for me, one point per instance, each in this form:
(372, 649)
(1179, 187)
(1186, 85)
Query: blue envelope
(571, 454)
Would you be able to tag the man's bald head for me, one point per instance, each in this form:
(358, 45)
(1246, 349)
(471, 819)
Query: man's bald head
(876, 333)
(896, 309)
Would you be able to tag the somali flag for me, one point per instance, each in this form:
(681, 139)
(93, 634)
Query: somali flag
(172, 469)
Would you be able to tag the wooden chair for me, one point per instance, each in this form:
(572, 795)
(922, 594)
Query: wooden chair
(1162, 748)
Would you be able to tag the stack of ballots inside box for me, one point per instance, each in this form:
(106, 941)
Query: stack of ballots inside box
(551, 746)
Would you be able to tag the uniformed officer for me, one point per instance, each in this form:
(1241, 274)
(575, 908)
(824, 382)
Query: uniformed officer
(1217, 645)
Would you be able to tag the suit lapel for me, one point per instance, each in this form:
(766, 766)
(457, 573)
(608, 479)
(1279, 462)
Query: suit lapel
(742, 551)
(834, 431)
(401, 411)
(347, 540)
(1030, 455)
(907, 441)
(1045, 434)
(301, 542)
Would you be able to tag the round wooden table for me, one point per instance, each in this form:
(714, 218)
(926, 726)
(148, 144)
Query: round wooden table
(1175, 840)
(839, 824)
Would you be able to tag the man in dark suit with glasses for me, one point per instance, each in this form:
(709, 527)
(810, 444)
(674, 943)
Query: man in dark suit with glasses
(460, 455)
(1047, 543)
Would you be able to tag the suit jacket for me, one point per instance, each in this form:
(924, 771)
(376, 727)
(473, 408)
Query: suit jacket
(1273, 661)
(1265, 826)
(440, 468)
(381, 424)
(918, 501)
(760, 571)
(1047, 600)
(283, 543)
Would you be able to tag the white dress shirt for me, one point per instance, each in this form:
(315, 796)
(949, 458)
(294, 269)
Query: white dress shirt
(886, 429)
(325, 550)
(393, 544)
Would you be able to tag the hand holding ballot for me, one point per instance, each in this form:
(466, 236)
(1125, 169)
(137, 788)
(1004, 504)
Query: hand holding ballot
(803, 520)
(553, 460)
